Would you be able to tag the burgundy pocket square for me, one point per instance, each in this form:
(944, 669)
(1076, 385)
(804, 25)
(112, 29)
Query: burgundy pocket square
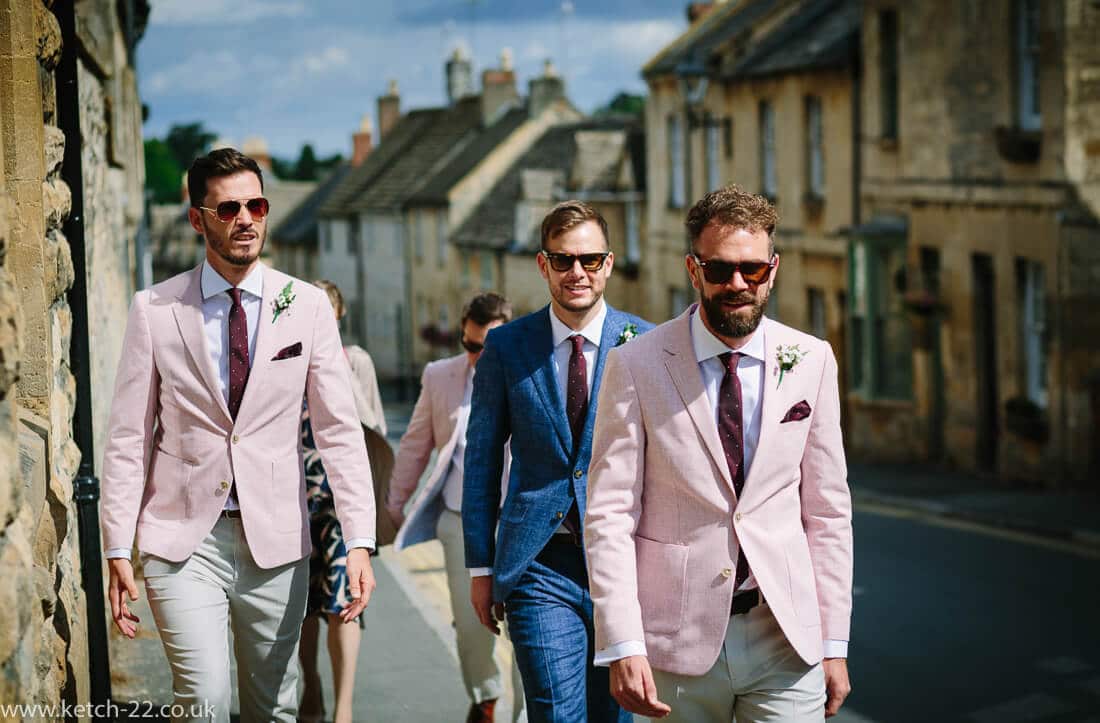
(797, 412)
(289, 352)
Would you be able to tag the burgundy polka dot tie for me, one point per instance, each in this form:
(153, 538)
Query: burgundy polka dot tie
(238, 352)
(730, 432)
(576, 409)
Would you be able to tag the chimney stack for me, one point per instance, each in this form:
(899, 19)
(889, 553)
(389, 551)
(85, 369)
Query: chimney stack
(362, 142)
(543, 91)
(460, 76)
(498, 88)
(256, 149)
(389, 110)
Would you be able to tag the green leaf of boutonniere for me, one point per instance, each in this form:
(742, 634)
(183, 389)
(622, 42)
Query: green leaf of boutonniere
(283, 301)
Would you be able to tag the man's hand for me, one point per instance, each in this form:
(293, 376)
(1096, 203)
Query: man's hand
(481, 596)
(360, 583)
(121, 585)
(632, 686)
(837, 686)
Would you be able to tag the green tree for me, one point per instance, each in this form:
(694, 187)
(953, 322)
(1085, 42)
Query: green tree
(624, 104)
(163, 175)
(306, 167)
(187, 141)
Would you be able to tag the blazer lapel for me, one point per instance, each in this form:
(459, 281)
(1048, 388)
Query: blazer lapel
(771, 402)
(266, 337)
(540, 353)
(684, 370)
(188, 312)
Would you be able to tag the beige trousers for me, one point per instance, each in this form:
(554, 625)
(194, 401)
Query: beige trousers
(758, 677)
(480, 671)
(195, 602)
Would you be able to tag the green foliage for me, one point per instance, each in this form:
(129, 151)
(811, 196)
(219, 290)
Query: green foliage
(624, 104)
(163, 175)
(306, 167)
(188, 141)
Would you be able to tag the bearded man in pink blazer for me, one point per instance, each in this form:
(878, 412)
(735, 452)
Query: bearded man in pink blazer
(203, 464)
(718, 528)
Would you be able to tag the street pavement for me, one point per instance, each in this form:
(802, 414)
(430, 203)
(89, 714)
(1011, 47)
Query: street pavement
(972, 603)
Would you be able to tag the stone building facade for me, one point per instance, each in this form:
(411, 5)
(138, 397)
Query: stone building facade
(976, 274)
(70, 200)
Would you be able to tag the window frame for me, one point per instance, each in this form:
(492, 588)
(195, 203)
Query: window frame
(769, 173)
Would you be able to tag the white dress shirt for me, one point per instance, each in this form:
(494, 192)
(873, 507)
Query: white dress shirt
(750, 372)
(452, 485)
(562, 350)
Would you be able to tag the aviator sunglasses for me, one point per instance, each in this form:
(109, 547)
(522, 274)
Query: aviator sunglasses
(719, 272)
(564, 262)
(226, 211)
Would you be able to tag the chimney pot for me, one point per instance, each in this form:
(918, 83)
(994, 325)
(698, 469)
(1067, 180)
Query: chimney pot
(389, 110)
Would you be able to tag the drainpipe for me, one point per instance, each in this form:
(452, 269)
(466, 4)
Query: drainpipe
(86, 484)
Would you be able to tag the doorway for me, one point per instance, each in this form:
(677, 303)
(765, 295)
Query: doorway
(985, 358)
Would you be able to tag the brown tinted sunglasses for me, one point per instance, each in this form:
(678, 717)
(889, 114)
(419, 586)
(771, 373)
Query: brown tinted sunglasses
(720, 272)
(564, 262)
(226, 211)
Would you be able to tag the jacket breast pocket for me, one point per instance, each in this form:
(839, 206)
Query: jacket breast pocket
(662, 584)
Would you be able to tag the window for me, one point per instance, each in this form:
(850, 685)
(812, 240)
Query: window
(486, 270)
(326, 238)
(713, 138)
(633, 247)
(888, 72)
(353, 238)
(727, 136)
(881, 347)
(815, 304)
(1027, 65)
(1032, 314)
(441, 237)
(767, 150)
(815, 157)
(676, 190)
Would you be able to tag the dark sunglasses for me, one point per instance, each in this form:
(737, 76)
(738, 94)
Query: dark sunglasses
(226, 211)
(564, 262)
(719, 272)
(472, 346)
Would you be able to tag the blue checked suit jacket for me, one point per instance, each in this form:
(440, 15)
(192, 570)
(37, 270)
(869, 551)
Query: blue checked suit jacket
(516, 396)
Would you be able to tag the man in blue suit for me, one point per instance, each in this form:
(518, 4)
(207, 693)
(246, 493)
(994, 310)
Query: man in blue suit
(537, 383)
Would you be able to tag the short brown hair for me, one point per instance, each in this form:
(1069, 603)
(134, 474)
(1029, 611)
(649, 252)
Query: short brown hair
(215, 164)
(567, 215)
(735, 207)
(486, 308)
(334, 296)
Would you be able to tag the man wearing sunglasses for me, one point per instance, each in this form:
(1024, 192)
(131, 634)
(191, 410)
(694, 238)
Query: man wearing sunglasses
(719, 533)
(202, 464)
(533, 387)
(438, 424)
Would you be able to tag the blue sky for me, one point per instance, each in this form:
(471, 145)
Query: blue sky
(296, 71)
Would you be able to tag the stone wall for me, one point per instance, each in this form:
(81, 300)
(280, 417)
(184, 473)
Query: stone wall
(43, 631)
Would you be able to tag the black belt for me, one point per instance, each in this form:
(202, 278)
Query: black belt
(232, 514)
(565, 538)
(745, 601)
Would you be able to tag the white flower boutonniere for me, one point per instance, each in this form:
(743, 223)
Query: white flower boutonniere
(629, 332)
(788, 357)
(283, 301)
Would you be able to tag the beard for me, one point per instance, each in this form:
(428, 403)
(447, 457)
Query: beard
(734, 324)
(237, 257)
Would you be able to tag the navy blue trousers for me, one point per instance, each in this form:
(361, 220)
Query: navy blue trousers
(550, 622)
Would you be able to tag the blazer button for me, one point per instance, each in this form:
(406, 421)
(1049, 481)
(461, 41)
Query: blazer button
(726, 572)
(236, 439)
(737, 517)
(560, 515)
(224, 485)
(578, 474)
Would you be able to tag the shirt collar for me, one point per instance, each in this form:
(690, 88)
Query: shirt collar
(707, 345)
(213, 283)
(592, 332)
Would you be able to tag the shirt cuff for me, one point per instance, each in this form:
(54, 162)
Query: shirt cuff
(836, 648)
(367, 542)
(618, 651)
(480, 571)
(117, 553)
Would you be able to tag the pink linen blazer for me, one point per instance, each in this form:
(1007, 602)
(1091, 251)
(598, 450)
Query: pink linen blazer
(173, 450)
(663, 522)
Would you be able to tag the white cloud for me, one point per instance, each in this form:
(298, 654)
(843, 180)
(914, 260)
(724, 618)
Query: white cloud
(218, 12)
(224, 73)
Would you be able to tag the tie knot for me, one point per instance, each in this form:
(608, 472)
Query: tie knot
(578, 343)
(729, 360)
(235, 294)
